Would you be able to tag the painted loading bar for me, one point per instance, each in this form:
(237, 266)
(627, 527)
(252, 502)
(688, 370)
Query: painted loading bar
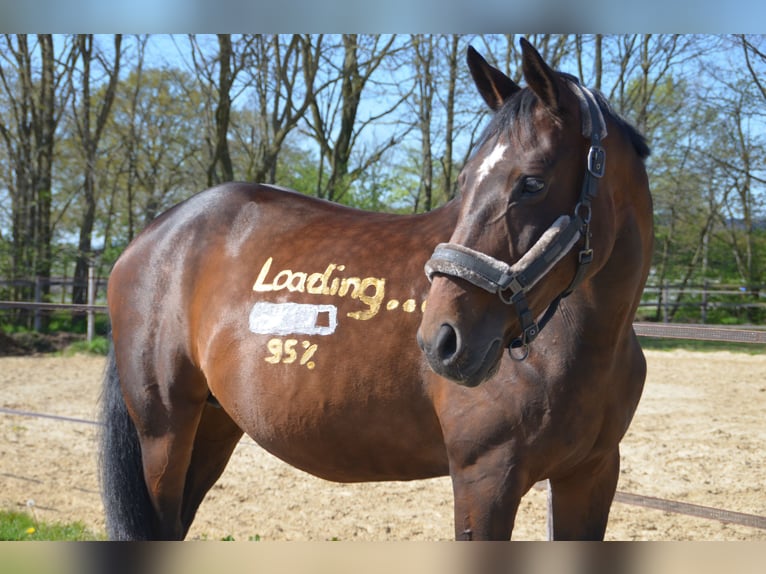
(676, 507)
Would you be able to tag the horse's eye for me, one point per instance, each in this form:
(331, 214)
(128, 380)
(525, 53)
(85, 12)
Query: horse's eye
(533, 185)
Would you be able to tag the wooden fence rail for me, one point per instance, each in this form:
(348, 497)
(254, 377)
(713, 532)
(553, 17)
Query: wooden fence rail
(38, 306)
(753, 334)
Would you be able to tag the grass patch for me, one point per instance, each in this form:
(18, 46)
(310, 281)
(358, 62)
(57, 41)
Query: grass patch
(98, 346)
(658, 344)
(22, 526)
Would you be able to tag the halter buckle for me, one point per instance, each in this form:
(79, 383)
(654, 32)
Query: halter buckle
(596, 160)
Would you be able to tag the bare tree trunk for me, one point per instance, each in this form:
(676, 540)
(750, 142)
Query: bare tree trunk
(334, 123)
(424, 51)
(449, 187)
(133, 143)
(274, 79)
(352, 83)
(90, 137)
(221, 168)
(44, 129)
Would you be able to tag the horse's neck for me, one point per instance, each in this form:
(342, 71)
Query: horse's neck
(605, 304)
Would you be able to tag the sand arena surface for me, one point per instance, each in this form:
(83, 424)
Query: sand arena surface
(697, 437)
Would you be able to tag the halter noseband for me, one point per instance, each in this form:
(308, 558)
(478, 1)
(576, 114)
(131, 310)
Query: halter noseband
(512, 282)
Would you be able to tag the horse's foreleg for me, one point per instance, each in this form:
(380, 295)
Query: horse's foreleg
(217, 436)
(487, 496)
(579, 503)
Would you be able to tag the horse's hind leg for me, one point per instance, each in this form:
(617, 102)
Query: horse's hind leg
(579, 503)
(216, 438)
(166, 458)
(167, 407)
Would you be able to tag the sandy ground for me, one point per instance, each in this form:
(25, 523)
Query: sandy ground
(697, 437)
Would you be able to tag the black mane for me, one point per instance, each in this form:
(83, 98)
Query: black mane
(517, 115)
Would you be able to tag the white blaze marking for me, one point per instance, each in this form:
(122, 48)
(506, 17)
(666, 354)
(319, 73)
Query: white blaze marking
(293, 318)
(490, 161)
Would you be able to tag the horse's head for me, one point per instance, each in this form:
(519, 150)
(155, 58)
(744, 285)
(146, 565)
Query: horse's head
(539, 215)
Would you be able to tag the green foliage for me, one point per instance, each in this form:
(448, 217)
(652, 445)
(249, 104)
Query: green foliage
(297, 169)
(387, 190)
(63, 321)
(98, 346)
(22, 526)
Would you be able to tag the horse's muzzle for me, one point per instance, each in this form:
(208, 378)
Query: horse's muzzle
(449, 357)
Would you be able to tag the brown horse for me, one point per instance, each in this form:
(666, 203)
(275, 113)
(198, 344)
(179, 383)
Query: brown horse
(248, 308)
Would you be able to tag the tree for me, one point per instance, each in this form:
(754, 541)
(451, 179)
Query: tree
(444, 116)
(217, 76)
(35, 94)
(155, 130)
(741, 160)
(279, 100)
(90, 116)
(335, 100)
(423, 48)
(449, 187)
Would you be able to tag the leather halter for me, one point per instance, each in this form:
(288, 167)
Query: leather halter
(512, 282)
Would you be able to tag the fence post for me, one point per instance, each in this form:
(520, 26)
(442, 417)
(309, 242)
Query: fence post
(703, 306)
(91, 301)
(38, 299)
(665, 303)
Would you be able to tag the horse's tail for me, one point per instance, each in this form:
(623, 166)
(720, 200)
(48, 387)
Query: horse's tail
(128, 509)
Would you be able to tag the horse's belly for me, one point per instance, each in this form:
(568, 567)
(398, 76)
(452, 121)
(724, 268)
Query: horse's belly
(357, 421)
(349, 443)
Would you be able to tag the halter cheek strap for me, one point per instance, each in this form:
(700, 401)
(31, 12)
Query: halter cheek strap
(512, 282)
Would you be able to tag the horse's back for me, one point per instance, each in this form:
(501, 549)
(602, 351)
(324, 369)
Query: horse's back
(301, 316)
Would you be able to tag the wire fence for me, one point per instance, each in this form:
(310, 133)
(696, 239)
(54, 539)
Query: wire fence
(47, 290)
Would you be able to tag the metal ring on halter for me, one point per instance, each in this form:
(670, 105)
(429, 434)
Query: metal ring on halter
(515, 345)
(588, 211)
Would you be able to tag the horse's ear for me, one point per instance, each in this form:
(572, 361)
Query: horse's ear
(494, 86)
(541, 79)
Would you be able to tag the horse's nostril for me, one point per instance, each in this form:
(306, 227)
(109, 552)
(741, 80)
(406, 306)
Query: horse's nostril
(446, 343)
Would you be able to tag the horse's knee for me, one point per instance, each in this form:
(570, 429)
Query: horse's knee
(579, 504)
(487, 498)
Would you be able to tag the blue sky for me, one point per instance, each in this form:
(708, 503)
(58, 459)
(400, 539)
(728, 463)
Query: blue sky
(467, 16)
